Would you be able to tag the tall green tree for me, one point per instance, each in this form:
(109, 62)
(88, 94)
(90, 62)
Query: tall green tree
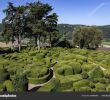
(87, 37)
(40, 20)
(8, 23)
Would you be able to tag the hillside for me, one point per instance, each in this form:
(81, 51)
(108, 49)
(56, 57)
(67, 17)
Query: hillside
(67, 30)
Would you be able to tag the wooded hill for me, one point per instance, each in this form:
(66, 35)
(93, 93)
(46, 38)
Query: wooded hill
(67, 29)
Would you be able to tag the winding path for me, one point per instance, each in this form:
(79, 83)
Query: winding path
(34, 87)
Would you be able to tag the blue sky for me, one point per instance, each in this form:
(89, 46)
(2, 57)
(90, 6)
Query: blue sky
(88, 12)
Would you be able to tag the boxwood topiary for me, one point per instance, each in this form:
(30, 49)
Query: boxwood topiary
(68, 71)
(87, 67)
(76, 67)
(99, 87)
(96, 72)
(83, 89)
(84, 75)
(51, 86)
(79, 84)
(108, 88)
(9, 86)
(107, 73)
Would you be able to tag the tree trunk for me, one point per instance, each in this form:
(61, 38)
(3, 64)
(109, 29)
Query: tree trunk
(50, 39)
(19, 42)
(38, 42)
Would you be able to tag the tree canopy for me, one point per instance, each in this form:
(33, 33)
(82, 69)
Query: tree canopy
(87, 37)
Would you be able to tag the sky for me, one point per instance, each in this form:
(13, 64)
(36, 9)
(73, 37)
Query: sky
(86, 12)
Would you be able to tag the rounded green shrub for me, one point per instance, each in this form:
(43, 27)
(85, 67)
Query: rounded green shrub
(9, 86)
(83, 89)
(84, 75)
(68, 71)
(76, 67)
(61, 71)
(99, 87)
(101, 80)
(87, 67)
(107, 73)
(51, 86)
(96, 72)
(83, 83)
(108, 88)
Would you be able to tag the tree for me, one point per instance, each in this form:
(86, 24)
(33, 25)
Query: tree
(40, 20)
(51, 25)
(8, 23)
(87, 37)
(14, 23)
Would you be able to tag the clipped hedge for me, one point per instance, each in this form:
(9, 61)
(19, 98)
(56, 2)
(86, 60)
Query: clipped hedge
(108, 88)
(99, 87)
(51, 86)
(107, 73)
(83, 89)
(82, 83)
(96, 72)
(39, 80)
(9, 86)
(87, 67)
(76, 67)
(84, 75)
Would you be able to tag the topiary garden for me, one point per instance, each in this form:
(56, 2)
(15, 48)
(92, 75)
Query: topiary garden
(73, 70)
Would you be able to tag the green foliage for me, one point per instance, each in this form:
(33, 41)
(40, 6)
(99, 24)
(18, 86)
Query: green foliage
(84, 75)
(96, 72)
(4, 75)
(20, 83)
(39, 80)
(9, 86)
(83, 89)
(51, 86)
(83, 83)
(99, 87)
(87, 37)
(107, 73)
(87, 67)
(108, 88)
(76, 67)
(68, 71)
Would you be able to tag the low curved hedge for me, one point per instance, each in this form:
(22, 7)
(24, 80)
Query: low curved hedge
(83, 83)
(108, 88)
(36, 80)
(67, 81)
(51, 86)
(107, 73)
(99, 87)
(39, 80)
(9, 86)
(83, 89)
(96, 72)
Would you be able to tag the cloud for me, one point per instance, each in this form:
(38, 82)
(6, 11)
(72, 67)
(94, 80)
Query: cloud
(96, 9)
